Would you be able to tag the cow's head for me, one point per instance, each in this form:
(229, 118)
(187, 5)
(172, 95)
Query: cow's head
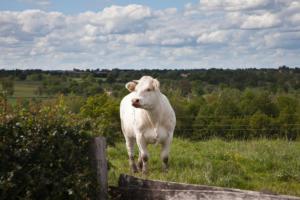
(146, 92)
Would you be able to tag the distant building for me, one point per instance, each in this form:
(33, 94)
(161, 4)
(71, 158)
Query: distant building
(184, 75)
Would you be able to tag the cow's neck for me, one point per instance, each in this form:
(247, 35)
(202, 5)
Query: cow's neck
(154, 115)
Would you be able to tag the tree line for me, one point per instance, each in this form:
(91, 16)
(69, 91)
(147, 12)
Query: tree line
(230, 104)
(192, 81)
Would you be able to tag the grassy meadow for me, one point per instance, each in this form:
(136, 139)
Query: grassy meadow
(271, 166)
(25, 90)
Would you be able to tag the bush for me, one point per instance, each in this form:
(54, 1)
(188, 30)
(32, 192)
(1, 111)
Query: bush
(230, 114)
(44, 155)
(102, 113)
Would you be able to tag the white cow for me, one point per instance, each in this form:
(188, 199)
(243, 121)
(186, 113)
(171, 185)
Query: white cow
(146, 117)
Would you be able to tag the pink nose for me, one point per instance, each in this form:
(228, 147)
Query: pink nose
(135, 102)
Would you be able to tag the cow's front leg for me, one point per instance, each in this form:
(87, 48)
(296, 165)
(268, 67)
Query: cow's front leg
(140, 162)
(165, 149)
(130, 150)
(144, 155)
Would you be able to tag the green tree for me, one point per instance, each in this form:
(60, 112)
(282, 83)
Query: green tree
(197, 88)
(227, 104)
(260, 125)
(7, 86)
(253, 101)
(103, 112)
(185, 87)
(288, 118)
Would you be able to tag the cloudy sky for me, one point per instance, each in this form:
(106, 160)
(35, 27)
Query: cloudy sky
(67, 34)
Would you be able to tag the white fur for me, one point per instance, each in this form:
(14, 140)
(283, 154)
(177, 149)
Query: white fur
(153, 122)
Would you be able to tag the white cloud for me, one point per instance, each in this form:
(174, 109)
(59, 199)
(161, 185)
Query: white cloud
(39, 22)
(295, 19)
(285, 40)
(233, 5)
(117, 19)
(226, 33)
(213, 37)
(266, 20)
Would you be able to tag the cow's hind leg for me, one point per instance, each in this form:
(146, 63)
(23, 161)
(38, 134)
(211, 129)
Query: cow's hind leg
(165, 149)
(130, 149)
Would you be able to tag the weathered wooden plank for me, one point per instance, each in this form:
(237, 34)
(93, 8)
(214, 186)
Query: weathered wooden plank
(127, 180)
(133, 188)
(148, 194)
(99, 162)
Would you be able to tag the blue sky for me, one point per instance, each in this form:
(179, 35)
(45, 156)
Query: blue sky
(74, 7)
(64, 34)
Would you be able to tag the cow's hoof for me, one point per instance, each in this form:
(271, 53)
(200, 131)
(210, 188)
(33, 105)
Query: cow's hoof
(140, 166)
(165, 170)
(145, 172)
(134, 169)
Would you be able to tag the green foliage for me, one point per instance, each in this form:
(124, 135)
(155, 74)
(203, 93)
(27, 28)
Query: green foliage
(185, 87)
(231, 114)
(44, 155)
(103, 113)
(7, 86)
(84, 86)
(35, 77)
(74, 103)
(260, 124)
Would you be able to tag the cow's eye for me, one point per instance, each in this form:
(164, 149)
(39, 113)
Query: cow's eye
(148, 90)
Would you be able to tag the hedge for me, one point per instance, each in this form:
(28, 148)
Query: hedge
(44, 155)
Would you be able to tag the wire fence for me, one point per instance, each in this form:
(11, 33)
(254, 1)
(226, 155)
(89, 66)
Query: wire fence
(239, 126)
(238, 123)
(228, 117)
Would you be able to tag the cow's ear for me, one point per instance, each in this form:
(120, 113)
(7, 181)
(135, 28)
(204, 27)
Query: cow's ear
(131, 85)
(156, 84)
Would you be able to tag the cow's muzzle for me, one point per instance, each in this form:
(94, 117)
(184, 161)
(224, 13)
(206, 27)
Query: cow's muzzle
(136, 103)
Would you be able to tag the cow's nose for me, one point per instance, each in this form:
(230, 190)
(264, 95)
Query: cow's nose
(135, 101)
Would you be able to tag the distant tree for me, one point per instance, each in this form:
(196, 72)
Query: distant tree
(228, 103)
(7, 86)
(35, 77)
(260, 125)
(197, 88)
(288, 118)
(111, 77)
(185, 87)
(254, 100)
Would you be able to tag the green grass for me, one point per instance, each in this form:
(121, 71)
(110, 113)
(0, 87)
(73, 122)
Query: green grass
(261, 165)
(26, 88)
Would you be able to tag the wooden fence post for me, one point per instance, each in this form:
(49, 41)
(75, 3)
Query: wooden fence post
(99, 162)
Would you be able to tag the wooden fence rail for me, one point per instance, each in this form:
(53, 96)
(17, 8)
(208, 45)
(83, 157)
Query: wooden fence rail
(132, 188)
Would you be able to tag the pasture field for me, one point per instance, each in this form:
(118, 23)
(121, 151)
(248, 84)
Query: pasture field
(271, 166)
(25, 89)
